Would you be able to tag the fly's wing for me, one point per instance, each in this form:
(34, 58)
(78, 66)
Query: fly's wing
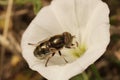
(42, 41)
(38, 43)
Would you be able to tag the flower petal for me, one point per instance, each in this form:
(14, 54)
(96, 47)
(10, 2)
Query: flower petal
(46, 19)
(97, 29)
(84, 10)
(64, 11)
(89, 57)
(97, 37)
(73, 16)
(43, 26)
(51, 72)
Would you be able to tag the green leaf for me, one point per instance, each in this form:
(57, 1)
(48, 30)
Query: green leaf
(36, 3)
(82, 76)
(37, 6)
(96, 72)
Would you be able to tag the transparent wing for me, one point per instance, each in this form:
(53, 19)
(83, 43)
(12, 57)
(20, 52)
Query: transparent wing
(38, 43)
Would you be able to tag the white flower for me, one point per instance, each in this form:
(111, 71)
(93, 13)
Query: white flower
(88, 20)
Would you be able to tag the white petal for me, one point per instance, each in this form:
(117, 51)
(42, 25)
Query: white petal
(97, 30)
(84, 10)
(64, 11)
(42, 27)
(89, 57)
(97, 37)
(51, 72)
(68, 15)
(74, 14)
(47, 20)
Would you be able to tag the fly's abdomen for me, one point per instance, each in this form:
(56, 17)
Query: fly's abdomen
(41, 52)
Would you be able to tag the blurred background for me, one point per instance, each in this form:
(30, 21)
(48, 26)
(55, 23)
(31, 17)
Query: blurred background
(16, 15)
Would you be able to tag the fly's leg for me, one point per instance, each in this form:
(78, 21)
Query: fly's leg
(49, 59)
(76, 44)
(70, 47)
(52, 50)
(62, 56)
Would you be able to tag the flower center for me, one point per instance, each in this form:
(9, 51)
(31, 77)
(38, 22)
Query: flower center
(78, 51)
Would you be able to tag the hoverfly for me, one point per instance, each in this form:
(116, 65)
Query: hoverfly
(52, 45)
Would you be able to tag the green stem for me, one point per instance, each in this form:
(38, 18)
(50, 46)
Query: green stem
(82, 76)
(96, 72)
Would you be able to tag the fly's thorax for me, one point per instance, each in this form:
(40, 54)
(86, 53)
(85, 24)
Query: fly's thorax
(56, 42)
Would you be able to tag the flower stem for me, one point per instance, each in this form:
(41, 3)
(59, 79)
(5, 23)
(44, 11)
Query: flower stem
(96, 72)
(82, 76)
